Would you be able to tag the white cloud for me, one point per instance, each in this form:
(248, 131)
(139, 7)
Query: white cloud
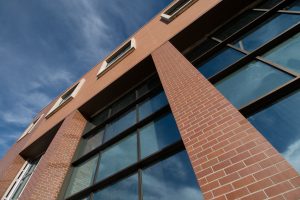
(292, 154)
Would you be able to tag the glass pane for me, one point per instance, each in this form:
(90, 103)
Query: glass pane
(201, 49)
(287, 54)
(152, 83)
(158, 134)
(267, 4)
(82, 176)
(219, 62)
(123, 102)
(294, 6)
(251, 82)
(120, 124)
(126, 189)
(152, 104)
(117, 157)
(280, 124)
(266, 31)
(236, 24)
(101, 117)
(20, 188)
(91, 142)
(172, 178)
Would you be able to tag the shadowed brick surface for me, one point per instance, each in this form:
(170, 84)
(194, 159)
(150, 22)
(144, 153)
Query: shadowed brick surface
(231, 159)
(50, 173)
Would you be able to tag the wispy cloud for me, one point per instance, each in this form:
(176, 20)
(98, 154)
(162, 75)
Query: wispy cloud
(48, 46)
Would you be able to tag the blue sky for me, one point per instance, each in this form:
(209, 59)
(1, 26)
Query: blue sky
(47, 45)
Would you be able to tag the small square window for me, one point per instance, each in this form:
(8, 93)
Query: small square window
(116, 57)
(66, 97)
(176, 9)
(31, 126)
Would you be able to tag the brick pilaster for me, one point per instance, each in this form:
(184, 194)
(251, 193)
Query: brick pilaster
(47, 180)
(231, 159)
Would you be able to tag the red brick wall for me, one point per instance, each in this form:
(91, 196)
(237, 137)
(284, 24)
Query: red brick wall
(10, 165)
(230, 157)
(46, 181)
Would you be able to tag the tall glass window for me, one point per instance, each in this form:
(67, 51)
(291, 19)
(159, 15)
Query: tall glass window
(280, 124)
(251, 82)
(21, 180)
(132, 142)
(158, 134)
(82, 176)
(124, 189)
(219, 62)
(118, 156)
(266, 31)
(172, 178)
(287, 54)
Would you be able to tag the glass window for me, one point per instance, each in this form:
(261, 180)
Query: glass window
(267, 4)
(82, 176)
(158, 134)
(120, 124)
(200, 49)
(294, 6)
(266, 31)
(92, 142)
(219, 62)
(118, 157)
(152, 104)
(251, 82)
(123, 102)
(287, 54)
(126, 189)
(152, 83)
(101, 117)
(172, 178)
(280, 124)
(236, 24)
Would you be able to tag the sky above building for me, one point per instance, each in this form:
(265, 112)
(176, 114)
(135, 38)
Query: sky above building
(45, 46)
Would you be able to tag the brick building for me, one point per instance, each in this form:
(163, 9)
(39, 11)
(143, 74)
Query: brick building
(206, 95)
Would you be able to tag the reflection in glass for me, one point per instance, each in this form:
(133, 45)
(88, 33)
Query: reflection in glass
(280, 124)
(118, 156)
(126, 189)
(82, 176)
(236, 24)
(267, 31)
(120, 124)
(158, 134)
(152, 104)
(172, 178)
(219, 62)
(287, 54)
(92, 142)
(251, 82)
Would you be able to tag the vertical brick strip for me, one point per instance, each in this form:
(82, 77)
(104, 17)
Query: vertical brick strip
(231, 159)
(47, 180)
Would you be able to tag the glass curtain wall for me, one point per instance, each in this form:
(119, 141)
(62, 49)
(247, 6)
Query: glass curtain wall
(133, 151)
(255, 63)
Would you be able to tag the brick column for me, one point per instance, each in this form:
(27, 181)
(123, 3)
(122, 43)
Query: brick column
(231, 159)
(46, 181)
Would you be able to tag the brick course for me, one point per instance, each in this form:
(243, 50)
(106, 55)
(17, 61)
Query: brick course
(47, 180)
(231, 159)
